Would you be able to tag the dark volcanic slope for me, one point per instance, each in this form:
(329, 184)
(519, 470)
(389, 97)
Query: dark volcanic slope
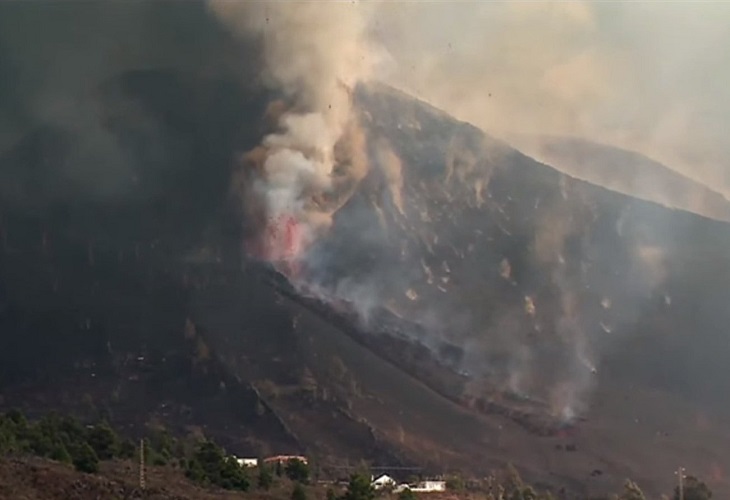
(87, 285)
(521, 278)
(626, 172)
(498, 252)
(538, 277)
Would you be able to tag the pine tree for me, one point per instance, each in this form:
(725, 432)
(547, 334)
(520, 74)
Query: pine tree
(85, 459)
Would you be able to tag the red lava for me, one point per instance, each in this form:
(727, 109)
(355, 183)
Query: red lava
(283, 243)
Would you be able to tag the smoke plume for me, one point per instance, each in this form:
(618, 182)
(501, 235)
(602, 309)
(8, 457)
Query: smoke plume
(315, 53)
(643, 76)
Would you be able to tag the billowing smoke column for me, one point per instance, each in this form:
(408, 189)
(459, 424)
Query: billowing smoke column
(314, 54)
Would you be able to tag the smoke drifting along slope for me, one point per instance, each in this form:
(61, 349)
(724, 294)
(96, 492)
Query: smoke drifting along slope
(390, 206)
(636, 76)
(531, 273)
(644, 77)
(625, 172)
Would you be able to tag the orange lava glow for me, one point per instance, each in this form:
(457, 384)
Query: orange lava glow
(282, 244)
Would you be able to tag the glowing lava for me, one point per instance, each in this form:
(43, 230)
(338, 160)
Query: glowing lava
(283, 243)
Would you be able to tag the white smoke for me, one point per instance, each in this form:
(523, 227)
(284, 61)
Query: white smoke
(643, 77)
(315, 53)
(647, 76)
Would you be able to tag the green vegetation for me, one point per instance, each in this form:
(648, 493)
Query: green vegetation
(65, 439)
(162, 449)
(266, 477)
(298, 493)
(85, 459)
(58, 438)
(210, 465)
(296, 470)
(359, 488)
(104, 441)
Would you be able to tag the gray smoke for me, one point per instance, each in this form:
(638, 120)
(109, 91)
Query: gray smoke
(559, 68)
(648, 77)
(315, 53)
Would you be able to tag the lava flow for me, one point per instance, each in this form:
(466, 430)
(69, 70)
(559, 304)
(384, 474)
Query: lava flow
(282, 244)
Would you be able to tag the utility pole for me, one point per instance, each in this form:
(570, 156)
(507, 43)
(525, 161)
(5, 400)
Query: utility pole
(141, 464)
(680, 480)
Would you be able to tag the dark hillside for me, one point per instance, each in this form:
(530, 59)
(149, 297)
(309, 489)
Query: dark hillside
(468, 307)
(626, 172)
(87, 285)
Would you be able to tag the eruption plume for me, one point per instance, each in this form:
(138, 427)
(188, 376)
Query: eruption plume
(315, 53)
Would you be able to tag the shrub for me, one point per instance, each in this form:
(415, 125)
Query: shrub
(407, 494)
(298, 492)
(266, 478)
(85, 459)
(104, 441)
(359, 488)
(209, 465)
(296, 470)
(127, 449)
(694, 489)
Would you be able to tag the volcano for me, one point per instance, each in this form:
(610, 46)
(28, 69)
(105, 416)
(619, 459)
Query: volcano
(468, 306)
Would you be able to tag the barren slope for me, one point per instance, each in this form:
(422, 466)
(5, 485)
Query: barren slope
(626, 172)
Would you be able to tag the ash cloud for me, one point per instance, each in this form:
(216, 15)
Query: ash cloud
(314, 53)
(647, 77)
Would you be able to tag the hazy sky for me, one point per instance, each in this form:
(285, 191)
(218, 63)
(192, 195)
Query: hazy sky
(653, 76)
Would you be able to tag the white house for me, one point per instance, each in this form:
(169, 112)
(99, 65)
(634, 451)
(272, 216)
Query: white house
(425, 486)
(247, 462)
(428, 486)
(284, 459)
(383, 481)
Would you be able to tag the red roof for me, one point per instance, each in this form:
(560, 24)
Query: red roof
(285, 458)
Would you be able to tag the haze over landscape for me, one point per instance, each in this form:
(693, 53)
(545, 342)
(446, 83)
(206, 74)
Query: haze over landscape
(443, 235)
(647, 77)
